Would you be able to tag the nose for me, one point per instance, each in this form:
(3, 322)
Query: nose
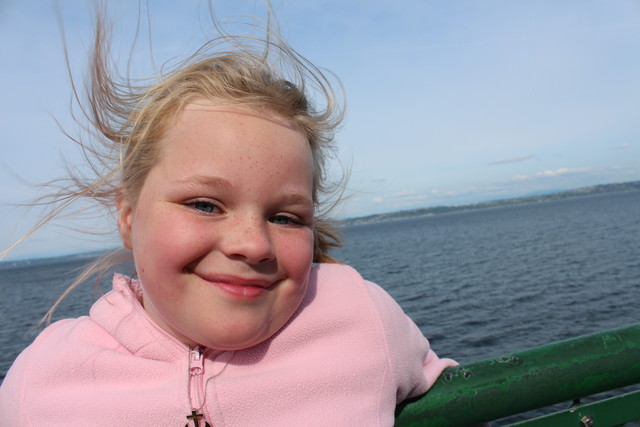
(248, 239)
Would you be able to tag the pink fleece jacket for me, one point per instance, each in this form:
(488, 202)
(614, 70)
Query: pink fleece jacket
(346, 358)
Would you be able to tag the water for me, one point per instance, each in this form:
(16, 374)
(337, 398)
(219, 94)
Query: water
(482, 283)
(479, 283)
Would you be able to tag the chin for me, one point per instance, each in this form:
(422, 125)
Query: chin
(237, 342)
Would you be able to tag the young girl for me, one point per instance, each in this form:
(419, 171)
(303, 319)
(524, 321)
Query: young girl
(237, 316)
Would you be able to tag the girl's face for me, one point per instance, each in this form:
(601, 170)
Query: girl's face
(222, 231)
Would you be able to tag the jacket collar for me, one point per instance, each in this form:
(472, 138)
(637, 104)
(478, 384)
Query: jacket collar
(121, 314)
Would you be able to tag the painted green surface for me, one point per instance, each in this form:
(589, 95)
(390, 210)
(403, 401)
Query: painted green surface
(514, 383)
(610, 412)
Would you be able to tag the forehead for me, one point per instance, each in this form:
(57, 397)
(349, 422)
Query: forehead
(205, 105)
(206, 134)
(216, 117)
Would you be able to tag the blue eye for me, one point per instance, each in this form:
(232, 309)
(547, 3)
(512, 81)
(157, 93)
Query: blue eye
(282, 220)
(203, 206)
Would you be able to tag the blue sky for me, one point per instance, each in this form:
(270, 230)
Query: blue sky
(448, 102)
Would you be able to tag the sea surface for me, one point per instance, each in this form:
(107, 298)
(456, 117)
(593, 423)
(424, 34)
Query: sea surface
(478, 283)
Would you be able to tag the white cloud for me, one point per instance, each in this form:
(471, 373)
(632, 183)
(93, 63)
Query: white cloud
(561, 171)
(519, 178)
(512, 160)
(404, 193)
(416, 198)
(621, 147)
(441, 192)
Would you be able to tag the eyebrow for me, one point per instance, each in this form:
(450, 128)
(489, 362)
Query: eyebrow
(219, 182)
(209, 181)
(297, 199)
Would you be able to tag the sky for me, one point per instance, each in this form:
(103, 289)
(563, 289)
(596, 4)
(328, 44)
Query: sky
(448, 102)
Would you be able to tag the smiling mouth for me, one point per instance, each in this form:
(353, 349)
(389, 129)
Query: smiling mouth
(246, 289)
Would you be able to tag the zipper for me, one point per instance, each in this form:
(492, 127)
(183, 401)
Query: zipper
(196, 370)
(196, 383)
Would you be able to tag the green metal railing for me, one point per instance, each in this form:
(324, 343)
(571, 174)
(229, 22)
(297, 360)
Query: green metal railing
(564, 371)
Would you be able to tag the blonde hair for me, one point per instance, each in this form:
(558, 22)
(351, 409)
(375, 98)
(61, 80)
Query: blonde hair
(128, 120)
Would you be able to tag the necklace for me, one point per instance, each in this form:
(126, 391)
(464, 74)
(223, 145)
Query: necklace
(195, 417)
(196, 367)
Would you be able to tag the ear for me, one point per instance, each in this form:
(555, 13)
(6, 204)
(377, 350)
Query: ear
(125, 216)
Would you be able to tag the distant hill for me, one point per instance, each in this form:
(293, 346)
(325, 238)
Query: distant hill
(412, 213)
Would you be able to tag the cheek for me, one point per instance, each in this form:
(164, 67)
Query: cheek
(296, 255)
(164, 241)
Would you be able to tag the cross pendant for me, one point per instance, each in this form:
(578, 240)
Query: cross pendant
(196, 419)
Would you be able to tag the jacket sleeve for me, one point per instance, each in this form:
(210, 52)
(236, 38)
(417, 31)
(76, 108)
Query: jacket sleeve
(413, 364)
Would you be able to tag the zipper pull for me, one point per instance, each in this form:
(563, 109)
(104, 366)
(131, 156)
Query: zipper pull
(196, 362)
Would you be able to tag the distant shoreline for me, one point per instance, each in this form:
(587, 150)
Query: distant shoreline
(436, 210)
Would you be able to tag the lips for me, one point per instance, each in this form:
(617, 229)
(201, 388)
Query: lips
(239, 287)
